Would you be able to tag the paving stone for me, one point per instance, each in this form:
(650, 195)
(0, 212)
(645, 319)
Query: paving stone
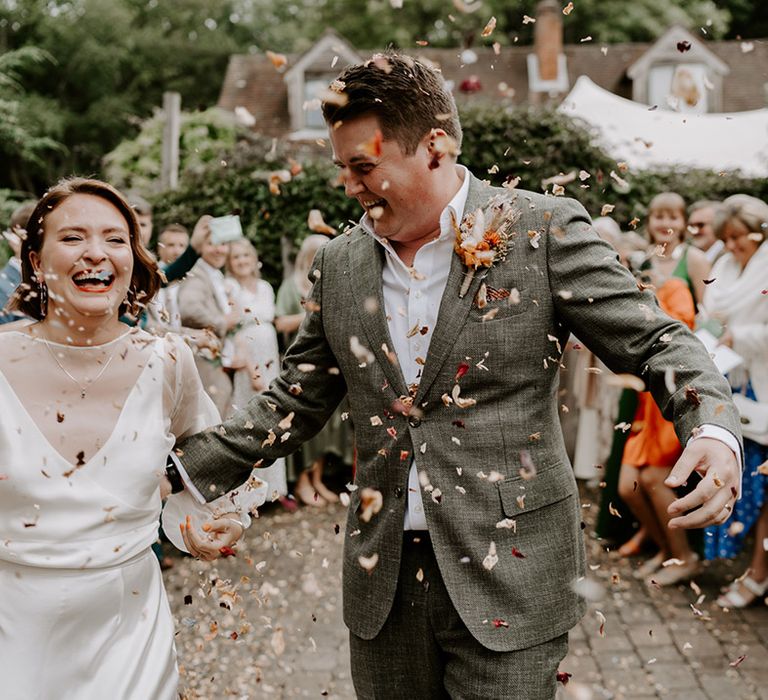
(614, 640)
(285, 553)
(725, 687)
(639, 612)
(629, 684)
(619, 660)
(688, 694)
(673, 677)
(656, 635)
(583, 668)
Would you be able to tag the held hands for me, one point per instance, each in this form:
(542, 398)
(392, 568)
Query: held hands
(216, 538)
(711, 502)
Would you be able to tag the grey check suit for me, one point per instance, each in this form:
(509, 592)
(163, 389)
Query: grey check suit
(571, 281)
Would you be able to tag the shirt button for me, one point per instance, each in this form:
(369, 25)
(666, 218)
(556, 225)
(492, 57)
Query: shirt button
(398, 491)
(418, 294)
(414, 421)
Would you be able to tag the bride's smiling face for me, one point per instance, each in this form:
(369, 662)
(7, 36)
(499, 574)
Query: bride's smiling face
(86, 259)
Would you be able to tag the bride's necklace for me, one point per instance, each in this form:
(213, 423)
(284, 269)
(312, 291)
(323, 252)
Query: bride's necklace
(83, 387)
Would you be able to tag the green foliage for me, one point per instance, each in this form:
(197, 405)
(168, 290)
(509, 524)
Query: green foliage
(111, 60)
(499, 145)
(9, 201)
(534, 144)
(205, 137)
(27, 134)
(241, 185)
(537, 144)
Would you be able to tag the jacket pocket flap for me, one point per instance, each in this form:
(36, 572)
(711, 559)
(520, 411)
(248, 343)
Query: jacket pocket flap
(551, 485)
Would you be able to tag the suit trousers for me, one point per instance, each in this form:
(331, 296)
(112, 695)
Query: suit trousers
(425, 651)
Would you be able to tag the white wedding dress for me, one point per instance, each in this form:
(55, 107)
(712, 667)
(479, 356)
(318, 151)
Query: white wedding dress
(83, 611)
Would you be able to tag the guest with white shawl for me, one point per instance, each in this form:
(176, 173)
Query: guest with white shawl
(737, 300)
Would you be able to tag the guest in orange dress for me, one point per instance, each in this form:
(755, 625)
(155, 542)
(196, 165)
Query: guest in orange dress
(653, 448)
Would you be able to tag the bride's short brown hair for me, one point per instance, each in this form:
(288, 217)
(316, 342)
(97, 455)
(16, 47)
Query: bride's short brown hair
(145, 279)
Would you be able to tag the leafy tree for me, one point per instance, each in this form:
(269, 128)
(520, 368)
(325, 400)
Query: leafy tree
(205, 137)
(112, 59)
(24, 142)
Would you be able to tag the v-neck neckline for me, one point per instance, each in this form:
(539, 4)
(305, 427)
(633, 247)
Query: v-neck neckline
(28, 416)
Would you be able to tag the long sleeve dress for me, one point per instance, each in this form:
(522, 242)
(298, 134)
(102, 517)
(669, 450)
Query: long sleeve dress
(83, 611)
(257, 341)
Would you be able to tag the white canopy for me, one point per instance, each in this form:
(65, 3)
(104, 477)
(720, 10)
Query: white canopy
(647, 138)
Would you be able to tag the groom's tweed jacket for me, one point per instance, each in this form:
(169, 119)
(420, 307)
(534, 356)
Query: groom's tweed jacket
(470, 458)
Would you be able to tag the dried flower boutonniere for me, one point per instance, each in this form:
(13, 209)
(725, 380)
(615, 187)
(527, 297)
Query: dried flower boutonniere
(483, 236)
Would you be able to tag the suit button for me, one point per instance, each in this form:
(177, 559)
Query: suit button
(398, 491)
(414, 421)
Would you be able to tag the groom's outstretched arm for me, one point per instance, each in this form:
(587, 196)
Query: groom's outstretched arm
(599, 301)
(275, 423)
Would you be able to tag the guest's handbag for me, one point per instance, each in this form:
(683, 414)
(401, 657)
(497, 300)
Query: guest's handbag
(754, 418)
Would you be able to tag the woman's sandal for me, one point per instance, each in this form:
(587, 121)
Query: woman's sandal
(649, 566)
(733, 597)
(633, 546)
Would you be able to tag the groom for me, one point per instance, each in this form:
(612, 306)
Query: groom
(463, 543)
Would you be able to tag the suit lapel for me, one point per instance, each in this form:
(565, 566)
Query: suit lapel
(365, 272)
(453, 310)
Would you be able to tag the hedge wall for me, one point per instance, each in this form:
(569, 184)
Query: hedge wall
(532, 144)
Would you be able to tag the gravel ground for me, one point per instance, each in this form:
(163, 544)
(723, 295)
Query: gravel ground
(268, 624)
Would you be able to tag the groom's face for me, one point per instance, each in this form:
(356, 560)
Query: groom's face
(396, 190)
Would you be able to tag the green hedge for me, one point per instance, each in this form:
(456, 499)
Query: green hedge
(242, 186)
(533, 144)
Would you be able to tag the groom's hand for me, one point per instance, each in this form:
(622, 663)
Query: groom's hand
(711, 502)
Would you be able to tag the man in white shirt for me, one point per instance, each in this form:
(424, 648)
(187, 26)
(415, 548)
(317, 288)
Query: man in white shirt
(442, 315)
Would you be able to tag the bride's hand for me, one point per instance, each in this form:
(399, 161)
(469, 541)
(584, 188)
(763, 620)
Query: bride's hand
(217, 539)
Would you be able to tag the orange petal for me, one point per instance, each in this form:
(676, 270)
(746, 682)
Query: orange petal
(372, 147)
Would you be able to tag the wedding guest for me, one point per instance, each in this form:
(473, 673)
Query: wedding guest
(164, 312)
(701, 231)
(143, 210)
(205, 305)
(652, 448)
(651, 451)
(307, 467)
(442, 315)
(171, 243)
(670, 255)
(614, 519)
(10, 275)
(90, 411)
(256, 358)
(736, 299)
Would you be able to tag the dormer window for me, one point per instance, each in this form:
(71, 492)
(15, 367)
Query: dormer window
(689, 81)
(681, 87)
(309, 77)
(314, 86)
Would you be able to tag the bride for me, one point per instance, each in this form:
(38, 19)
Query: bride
(90, 410)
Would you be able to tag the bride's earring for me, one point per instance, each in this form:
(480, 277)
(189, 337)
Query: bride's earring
(42, 296)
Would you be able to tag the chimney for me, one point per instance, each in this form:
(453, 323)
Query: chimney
(547, 70)
(548, 38)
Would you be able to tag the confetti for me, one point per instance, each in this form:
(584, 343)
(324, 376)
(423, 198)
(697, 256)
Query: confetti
(491, 559)
(488, 29)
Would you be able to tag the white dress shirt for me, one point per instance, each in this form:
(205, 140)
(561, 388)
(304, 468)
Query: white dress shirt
(411, 302)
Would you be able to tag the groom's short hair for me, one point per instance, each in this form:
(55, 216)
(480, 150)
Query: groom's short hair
(408, 96)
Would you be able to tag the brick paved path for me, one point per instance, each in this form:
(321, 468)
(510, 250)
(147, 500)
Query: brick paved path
(275, 629)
